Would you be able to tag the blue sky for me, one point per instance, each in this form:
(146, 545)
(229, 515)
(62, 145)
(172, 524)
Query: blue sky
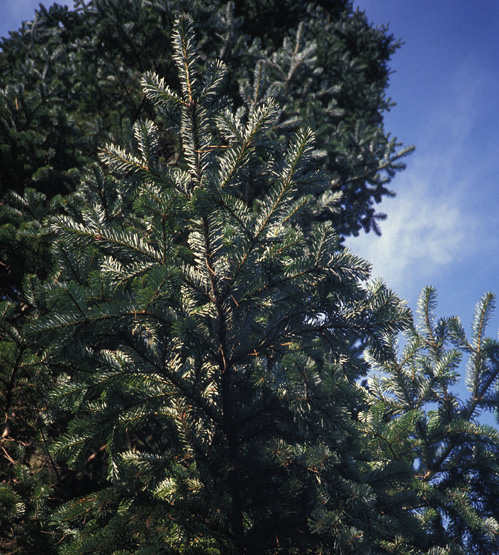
(14, 12)
(443, 226)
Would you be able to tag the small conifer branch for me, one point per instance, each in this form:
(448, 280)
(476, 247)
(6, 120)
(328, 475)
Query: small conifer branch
(158, 91)
(185, 56)
(380, 167)
(121, 161)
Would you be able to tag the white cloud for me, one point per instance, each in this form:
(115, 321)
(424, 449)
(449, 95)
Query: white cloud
(426, 230)
(432, 224)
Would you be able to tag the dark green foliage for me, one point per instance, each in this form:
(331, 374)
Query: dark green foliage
(75, 74)
(70, 82)
(26, 246)
(417, 417)
(189, 339)
(205, 341)
(27, 470)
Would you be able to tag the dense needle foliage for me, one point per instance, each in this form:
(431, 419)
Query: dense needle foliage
(70, 81)
(454, 455)
(182, 370)
(205, 336)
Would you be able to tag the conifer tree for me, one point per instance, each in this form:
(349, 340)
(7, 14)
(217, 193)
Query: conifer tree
(202, 341)
(417, 416)
(70, 81)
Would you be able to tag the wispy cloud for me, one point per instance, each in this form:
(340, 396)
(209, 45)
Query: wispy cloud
(425, 231)
(431, 224)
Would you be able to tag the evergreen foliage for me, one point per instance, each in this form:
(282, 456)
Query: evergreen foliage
(417, 417)
(203, 343)
(181, 371)
(27, 469)
(70, 81)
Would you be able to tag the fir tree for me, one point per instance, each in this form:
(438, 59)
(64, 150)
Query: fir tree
(202, 338)
(70, 81)
(27, 469)
(416, 416)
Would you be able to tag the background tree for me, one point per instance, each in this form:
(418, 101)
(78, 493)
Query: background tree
(202, 339)
(417, 416)
(70, 82)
